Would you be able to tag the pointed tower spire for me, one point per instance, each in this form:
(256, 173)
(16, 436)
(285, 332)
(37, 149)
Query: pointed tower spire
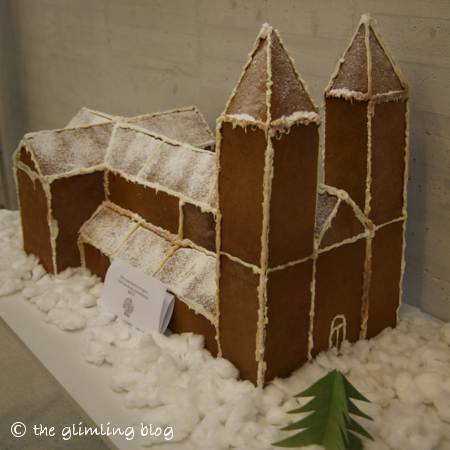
(366, 154)
(267, 157)
(366, 125)
(367, 69)
(270, 87)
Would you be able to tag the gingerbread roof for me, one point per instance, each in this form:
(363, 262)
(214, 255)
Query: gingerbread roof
(184, 125)
(188, 272)
(136, 154)
(368, 68)
(69, 151)
(162, 163)
(270, 91)
(86, 116)
(338, 218)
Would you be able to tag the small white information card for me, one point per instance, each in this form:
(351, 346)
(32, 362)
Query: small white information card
(137, 298)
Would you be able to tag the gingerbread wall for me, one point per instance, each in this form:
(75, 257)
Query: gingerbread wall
(193, 53)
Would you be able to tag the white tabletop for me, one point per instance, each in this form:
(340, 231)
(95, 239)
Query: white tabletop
(86, 385)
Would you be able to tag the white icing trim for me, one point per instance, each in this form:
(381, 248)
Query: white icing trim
(292, 263)
(299, 117)
(367, 233)
(367, 277)
(256, 270)
(181, 220)
(368, 195)
(343, 195)
(336, 329)
(365, 18)
(361, 97)
(211, 142)
(31, 173)
(205, 207)
(302, 82)
(312, 311)
(368, 23)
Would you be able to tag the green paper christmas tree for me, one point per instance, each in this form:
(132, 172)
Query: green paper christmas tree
(330, 423)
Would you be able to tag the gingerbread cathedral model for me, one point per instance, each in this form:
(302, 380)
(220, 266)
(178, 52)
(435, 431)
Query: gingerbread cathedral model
(268, 265)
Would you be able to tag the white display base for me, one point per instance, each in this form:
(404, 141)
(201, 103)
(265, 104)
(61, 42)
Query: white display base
(84, 384)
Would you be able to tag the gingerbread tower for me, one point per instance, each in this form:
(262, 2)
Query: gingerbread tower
(267, 156)
(366, 142)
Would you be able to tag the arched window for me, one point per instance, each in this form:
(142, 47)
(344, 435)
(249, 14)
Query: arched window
(338, 331)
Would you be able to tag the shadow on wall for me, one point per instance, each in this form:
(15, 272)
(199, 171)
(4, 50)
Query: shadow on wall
(416, 229)
(13, 120)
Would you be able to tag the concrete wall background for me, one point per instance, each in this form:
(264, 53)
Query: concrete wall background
(139, 56)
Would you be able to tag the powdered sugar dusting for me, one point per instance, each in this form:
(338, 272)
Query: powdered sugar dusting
(87, 117)
(144, 250)
(352, 74)
(190, 172)
(108, 230)
(213, 201)
(325, 206)
(184, 126)
(384, 78)
(192, 274)
(65, 151)
(130, 150)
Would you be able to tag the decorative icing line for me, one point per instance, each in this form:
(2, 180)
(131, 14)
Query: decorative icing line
(405, 178)
(173, 249)
(387, 51)
(28, 149)
(218, 273)
(197, 308)
(368, 195)
(402, 272)
(368, 23)
(165, 234)
(281, 125)
(94, 215)
(406, 172)
(108, 117)
(52, 223)
(243, 120)
(163, 138)
(366, 20)
(256, 270)
(335, 330)
(110, 144)
(176, 110)
(264, 32)
(187, 243)
(365, 301)
(205, 207)
(267, 191)
(292, 263)
(181, 220)
(343, 195)
(261, 331)
(262, 291)
(350, 95)
(218, 234)
(312, 311)
(367, 233)
(31, 173)
(302, 82)
(299, 117)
